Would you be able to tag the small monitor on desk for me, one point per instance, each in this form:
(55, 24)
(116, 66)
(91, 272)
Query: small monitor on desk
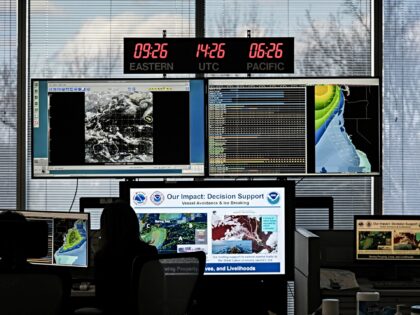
(388, 246)
(387, 238)
(67, 237)
(94, 206)
(336, 248)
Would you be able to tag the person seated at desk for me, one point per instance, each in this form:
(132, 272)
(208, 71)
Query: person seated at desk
(13, 249)
(120, 244)
(26, 287)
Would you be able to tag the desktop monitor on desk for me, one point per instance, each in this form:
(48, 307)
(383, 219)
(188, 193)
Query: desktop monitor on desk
(387, 238)
(390, 243)
(67, 237)
(336, 248)
(94, 206)
(244, 227)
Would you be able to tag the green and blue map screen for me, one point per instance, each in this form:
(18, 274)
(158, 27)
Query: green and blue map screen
(67, 235)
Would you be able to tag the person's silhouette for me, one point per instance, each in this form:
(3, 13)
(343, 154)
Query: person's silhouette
(120, 244)
(12, 243)
(19, 239)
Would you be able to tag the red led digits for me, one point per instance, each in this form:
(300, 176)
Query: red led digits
(211, 51)
(163, 51)
(221, 51)
(149, 50)
(209, 55)
(263, 50)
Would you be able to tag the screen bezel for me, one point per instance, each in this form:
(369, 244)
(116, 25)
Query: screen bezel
(289, 187)
(206, 173)
(122, 176)
(384, 261)
(50, 215)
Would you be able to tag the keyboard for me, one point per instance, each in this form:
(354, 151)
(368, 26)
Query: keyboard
(396, 284)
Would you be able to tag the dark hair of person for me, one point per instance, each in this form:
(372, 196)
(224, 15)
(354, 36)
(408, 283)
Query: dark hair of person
(119, 226)
(9, 215)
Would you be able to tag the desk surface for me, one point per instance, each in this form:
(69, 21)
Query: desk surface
(388, 297)
(367, 285)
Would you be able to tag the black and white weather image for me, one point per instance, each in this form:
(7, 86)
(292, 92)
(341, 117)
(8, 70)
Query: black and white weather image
(118, 126)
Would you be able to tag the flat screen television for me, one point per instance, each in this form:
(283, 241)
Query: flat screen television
(294, 126)
(117, 128)
(68, 235)
(244, 227)
(387, 238)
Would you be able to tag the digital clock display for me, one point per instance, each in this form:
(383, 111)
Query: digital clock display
(150, 50)
(209, 55)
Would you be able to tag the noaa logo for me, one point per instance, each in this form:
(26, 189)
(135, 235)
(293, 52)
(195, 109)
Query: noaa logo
(273, 198)
(139, 198)
(157, 198)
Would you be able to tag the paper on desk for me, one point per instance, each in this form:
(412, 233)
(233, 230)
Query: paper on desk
(338, 279)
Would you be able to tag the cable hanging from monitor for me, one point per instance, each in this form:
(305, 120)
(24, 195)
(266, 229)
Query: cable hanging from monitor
(75, 193)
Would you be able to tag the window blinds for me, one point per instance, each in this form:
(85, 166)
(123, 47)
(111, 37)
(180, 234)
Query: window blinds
(8, 112)
(332, 38)
(401, 86)
(84, 39)
(68, 39)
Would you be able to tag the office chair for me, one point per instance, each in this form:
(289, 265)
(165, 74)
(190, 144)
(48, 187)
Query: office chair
(33, 292)
(27, 289)
(165, 284)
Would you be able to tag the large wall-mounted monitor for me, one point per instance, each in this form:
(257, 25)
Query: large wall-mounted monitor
(294, 126)
(68, 235)
(387, 238)
(245, 228)
(118, 128)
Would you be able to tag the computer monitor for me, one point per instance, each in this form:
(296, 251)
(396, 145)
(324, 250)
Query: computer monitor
(117, 128)
(336, 248)
(244, 227)
(387, 238)
(68, 235)
(294, 126)
(94, 206)
(15, 233)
